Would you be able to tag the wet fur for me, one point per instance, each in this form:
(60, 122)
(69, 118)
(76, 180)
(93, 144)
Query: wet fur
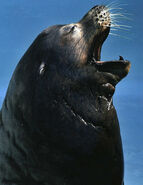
(58, 124)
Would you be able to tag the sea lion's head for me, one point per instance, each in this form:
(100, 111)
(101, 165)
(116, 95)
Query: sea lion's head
(70, 57)
(61, 93)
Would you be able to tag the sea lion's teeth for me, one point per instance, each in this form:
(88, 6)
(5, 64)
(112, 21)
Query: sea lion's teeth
(121, 58)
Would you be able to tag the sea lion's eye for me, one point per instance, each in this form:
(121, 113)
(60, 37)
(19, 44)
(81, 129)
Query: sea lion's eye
(73, 28)
(69, 29)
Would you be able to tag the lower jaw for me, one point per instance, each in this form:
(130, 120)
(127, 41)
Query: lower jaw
(118, 68)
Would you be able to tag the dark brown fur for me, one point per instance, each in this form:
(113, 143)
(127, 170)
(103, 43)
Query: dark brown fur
(58, 125)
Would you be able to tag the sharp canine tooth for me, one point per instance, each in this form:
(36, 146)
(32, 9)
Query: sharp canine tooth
(121, 58)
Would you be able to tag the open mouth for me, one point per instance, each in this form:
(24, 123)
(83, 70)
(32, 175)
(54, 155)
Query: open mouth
(96, 47)
(101, 21)
(119, 68)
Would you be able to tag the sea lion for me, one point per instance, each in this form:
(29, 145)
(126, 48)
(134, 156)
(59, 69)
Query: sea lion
(58, 125)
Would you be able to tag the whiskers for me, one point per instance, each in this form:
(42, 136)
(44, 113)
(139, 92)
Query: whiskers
(119, 19)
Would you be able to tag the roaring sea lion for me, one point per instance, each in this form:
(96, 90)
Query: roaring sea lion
(58, 125)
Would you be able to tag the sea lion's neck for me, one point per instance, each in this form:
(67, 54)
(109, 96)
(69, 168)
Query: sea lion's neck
(38, 158)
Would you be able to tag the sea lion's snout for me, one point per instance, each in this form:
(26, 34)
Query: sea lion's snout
(98, 16)
(96, 27)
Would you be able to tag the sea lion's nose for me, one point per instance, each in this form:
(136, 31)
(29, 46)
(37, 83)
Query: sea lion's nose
(97, 16)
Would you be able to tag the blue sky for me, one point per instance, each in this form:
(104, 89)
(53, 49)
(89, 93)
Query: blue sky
(22, 20)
